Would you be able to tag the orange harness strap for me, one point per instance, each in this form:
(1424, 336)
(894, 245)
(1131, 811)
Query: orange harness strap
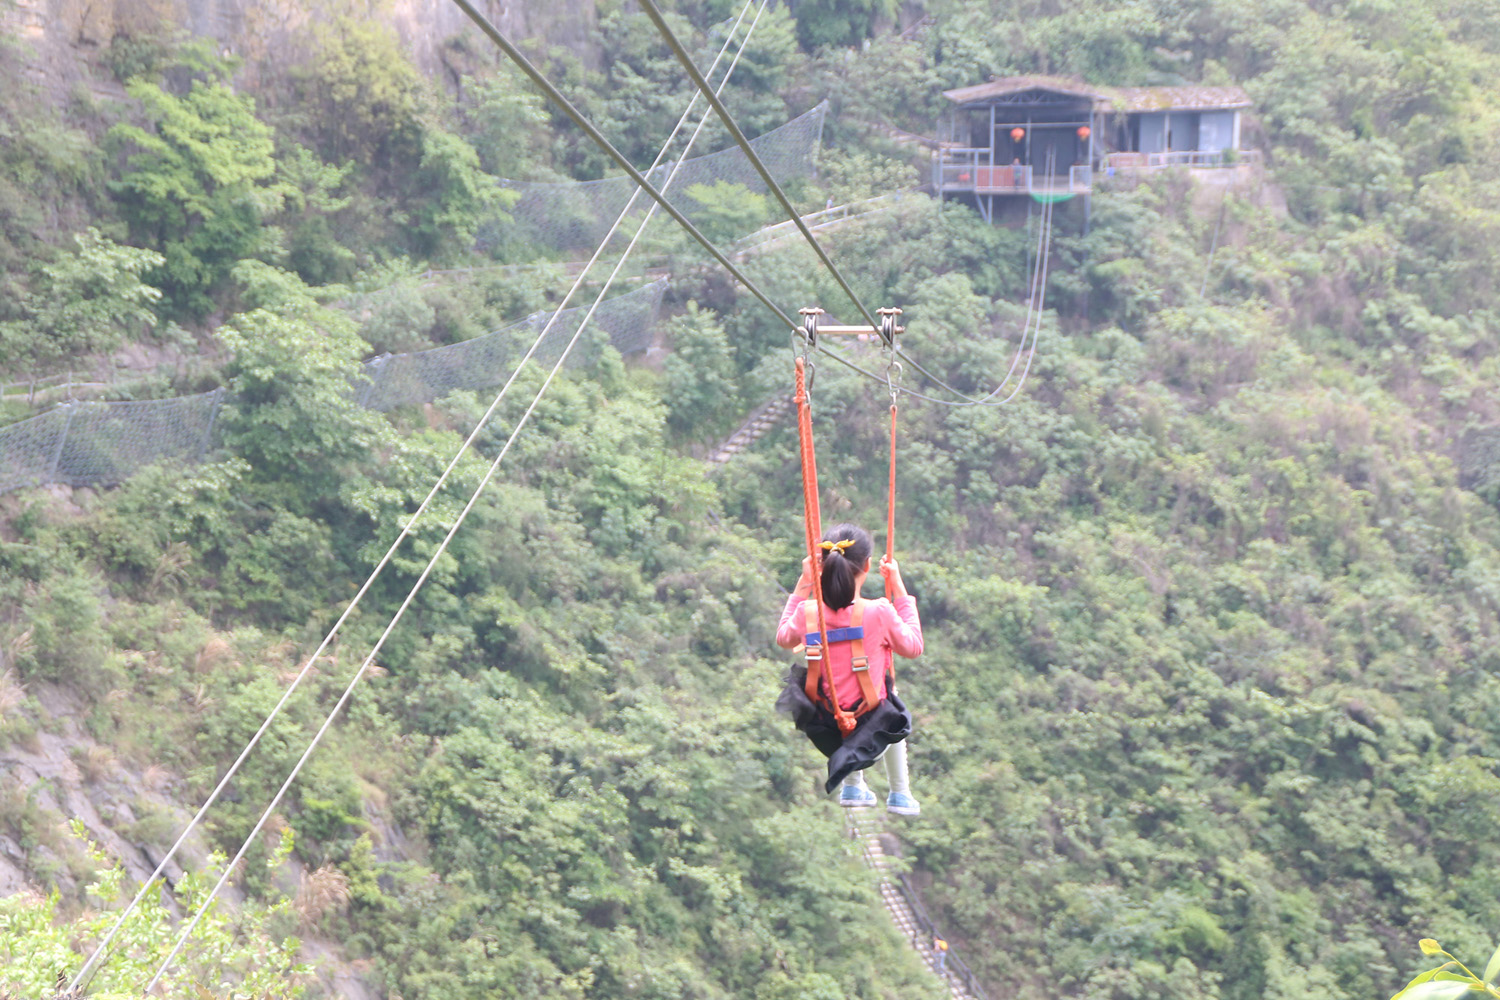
(890, 505)
(813, 529)
(890, 535)
(860, 664)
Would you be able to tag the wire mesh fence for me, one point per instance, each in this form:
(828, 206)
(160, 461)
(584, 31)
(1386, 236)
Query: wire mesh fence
(103, 443)
(99, 444)
(576, 215)
(29, 449)
(406, 379)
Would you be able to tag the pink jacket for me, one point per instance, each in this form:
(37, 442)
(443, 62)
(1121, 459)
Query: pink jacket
(888, 629)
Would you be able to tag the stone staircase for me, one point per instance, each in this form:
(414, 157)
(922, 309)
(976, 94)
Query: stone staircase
(765, 416)
(868, 826)
(833, 217)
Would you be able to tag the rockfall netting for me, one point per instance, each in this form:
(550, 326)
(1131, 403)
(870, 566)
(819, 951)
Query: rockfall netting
(576, 215)
(99, 443)
(626, 322)
(103, 443)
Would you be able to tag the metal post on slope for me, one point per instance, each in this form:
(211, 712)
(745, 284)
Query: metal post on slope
(375, 376)
(70, 408)
(208, 432)
(1088, 195)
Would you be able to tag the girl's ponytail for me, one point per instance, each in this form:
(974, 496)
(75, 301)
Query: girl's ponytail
(846, 547)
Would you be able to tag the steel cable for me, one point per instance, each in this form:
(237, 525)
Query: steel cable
(654, 13)
(443, 546)
(84, 974)
(547, 87)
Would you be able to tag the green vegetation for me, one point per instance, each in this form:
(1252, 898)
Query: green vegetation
(239, 956)
(88, 301)
(1451, 979)
(1212, 608)
(197, 183)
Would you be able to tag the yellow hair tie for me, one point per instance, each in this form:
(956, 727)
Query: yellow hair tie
(840, 546)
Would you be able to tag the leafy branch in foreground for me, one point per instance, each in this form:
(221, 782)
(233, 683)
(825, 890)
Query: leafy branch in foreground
(1443, 983)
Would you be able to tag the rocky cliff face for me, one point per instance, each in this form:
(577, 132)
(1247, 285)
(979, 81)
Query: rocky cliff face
(61, 38)
(55, 774)
(425, 25)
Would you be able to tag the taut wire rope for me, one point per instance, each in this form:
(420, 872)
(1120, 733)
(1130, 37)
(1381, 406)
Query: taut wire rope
(407, 528)
(452, 531)
(1036, 332)
(1038, 284)
(588, 128)
(1043, 232)
(654, 13)
(568, 108)
(1033, 306)
(1034, 297)
(650, 9)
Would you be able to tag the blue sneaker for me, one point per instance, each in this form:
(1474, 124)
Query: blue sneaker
(853, 796)
(902, 804)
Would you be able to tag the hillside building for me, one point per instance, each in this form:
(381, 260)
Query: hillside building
(1050, 138)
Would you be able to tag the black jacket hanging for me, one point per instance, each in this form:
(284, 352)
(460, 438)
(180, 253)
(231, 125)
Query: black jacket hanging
(889, 722)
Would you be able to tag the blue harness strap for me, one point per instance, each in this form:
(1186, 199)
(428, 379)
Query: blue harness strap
(848, 634)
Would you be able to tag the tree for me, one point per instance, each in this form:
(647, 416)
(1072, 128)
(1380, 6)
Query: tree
(197, 184)
(700, 375)
(450, 196)
(87, 302)
(38, 950)
(313, 201)
(839, 22)
(727, 211)
(362, 95)
(294, 416)
(508, 120)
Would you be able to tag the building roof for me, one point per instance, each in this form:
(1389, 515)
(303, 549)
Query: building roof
(1129, 99)
(1005, 85)
(1191, 98)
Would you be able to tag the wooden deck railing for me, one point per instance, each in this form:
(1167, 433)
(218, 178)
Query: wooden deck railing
(970, 170)
(1180, 158)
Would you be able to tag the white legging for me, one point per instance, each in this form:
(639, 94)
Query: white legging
(895, 770)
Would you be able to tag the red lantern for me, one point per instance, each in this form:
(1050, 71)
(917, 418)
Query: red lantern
(1083, 131)
(1017, 134)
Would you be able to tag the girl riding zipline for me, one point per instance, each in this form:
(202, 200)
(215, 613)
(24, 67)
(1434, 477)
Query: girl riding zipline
(862, 636)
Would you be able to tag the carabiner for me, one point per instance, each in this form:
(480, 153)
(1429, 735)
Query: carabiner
(893, 372)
